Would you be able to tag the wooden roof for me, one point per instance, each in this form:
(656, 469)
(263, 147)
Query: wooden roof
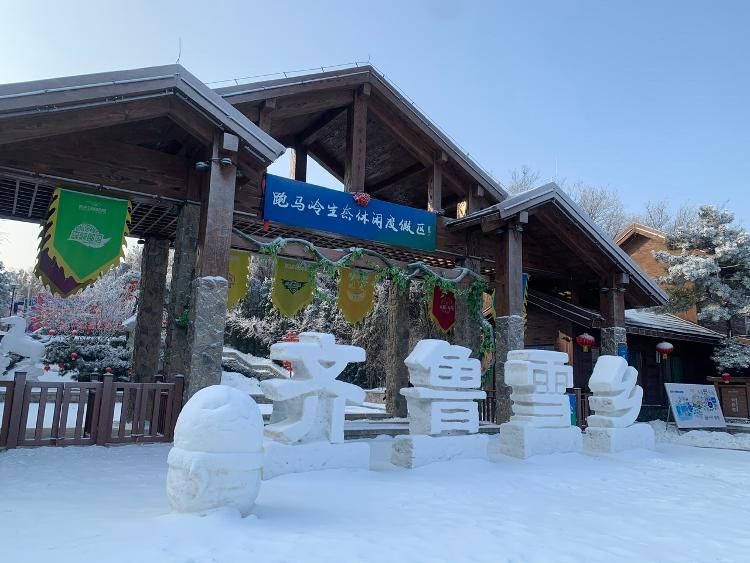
(401, 141)
(639, 229)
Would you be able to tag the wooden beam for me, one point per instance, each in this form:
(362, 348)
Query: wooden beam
(218, 208)
(575, 240)
(264, 115)
(298, 163)
(318, 128)
(356, 142)
(435, 188)
(61, 122)
(381, 186)
(612, 301)
(471, 203)
(191, 121)
(327, 161)
(114, 164)
(509, 272)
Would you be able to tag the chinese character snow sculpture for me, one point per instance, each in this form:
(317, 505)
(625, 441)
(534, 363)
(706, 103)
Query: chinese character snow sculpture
(443, 414)
(541, 410)
(18, 342)
(218, 452)
(313, 402)
(616, 403)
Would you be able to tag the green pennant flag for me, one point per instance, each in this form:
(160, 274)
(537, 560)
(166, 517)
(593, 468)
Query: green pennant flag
(86, 233)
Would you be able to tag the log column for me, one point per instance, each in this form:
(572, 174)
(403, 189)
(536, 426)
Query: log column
(612, 305)
(147, 337)
(509, 324)
(176, 347)
(209, 299)
(356, 142)
(298, 163)
(396, 350)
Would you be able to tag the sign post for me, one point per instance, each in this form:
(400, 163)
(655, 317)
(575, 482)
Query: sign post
(694, 406)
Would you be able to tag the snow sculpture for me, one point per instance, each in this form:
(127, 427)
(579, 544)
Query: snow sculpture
(616, 402)
(17, 341)
(312, 402)
(218, 452)
(541, 411)
(442, 408)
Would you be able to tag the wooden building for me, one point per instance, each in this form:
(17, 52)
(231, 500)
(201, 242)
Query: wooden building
(141, 134)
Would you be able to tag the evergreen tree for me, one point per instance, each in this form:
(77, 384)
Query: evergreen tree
(6, 290)
(708, 266)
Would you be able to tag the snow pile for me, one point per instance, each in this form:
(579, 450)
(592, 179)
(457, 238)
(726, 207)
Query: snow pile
(217, 455)
(700, 438)
(248, 385)
(563, 508)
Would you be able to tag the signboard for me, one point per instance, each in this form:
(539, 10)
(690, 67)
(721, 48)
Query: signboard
(314, 207)
(695, 406)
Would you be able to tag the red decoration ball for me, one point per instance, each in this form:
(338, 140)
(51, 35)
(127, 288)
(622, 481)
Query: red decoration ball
(46, 367)
(61, 365)
(108, 370)
(52, 332)
(74, 355)
(361, 198)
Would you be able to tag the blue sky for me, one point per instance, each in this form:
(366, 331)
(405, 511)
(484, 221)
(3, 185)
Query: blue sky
(647, 97)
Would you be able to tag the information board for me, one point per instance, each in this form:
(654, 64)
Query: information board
(314, 207)
(695, 406)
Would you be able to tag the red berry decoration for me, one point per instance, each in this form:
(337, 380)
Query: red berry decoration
(108, 370)
(61, 365)
(52, 332)
(361, 198)
(46, 367)
(73, 355)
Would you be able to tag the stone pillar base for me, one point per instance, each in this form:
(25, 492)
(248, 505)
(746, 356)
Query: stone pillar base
(612, 440)
(206, 333)
(612, 338)
(418, 450)
(509, 334)
(518, 439)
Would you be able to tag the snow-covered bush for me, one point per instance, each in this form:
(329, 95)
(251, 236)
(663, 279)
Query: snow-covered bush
(85, 356)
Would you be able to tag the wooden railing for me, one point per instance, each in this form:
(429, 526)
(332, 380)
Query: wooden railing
(44, 413)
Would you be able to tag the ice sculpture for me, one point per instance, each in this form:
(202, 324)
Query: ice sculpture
(541, 410)
(218, 452)
(616, 403)
(443, 414)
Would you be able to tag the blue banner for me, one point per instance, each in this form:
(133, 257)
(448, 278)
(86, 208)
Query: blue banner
(304, 205)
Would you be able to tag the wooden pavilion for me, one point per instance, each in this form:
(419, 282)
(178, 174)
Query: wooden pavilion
(140, 134)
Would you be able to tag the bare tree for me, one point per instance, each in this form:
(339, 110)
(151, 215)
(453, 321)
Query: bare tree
(522, 180)
(660, 215)
(603, 205)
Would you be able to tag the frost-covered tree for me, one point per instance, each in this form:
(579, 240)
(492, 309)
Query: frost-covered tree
(6, 290)
(708, 266)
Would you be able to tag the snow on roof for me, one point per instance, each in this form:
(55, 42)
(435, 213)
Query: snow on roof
(666, 322)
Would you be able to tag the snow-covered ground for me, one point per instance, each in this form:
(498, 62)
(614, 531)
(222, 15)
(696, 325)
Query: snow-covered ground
(677, 503)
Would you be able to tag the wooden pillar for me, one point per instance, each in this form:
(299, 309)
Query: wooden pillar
(298, 163)
(396, 350)
(612, 309)
(147, 332)
(356, 142)
(468, 331)
(471, 203)
(209, 293)
(435, 188)
(509, 324)
(183, 273)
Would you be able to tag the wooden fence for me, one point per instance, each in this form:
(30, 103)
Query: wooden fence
(45, 413)
(487, 406)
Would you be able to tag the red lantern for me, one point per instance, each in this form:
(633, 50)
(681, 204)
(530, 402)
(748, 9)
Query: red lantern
(664, 349)
(726, 377)
(585, 340)
(108, 370)
(361, 198)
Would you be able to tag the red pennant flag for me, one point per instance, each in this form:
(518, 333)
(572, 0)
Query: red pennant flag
(443, 309)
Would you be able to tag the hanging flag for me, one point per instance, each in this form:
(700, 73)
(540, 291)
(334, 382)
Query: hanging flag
(292, 288)
(239, 262)
(355, 294)
(85, 233)
(443, 309)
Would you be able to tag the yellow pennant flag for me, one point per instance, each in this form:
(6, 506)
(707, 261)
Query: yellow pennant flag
(292, 288)
(355, 294)
(239, 261)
